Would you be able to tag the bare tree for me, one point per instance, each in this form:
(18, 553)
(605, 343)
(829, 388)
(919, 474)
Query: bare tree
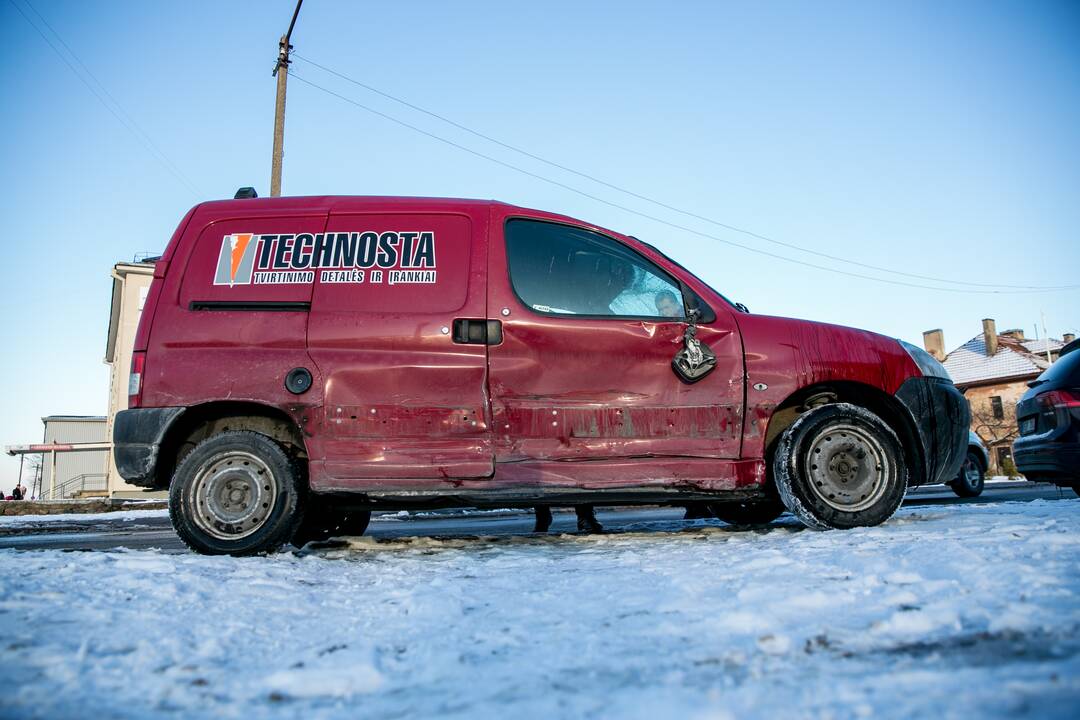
(991, 429)
(32, 470)
(996, 432)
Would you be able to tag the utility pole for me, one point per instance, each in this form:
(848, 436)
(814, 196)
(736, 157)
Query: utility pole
(281, 70)
(1049, 360)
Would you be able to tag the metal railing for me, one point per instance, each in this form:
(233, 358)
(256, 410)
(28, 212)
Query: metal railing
(78, 484)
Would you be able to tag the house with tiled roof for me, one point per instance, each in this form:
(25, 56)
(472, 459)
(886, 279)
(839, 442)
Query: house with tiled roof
(1040, 347)
(993, 370)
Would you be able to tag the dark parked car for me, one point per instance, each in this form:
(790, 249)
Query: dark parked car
(1048, 449)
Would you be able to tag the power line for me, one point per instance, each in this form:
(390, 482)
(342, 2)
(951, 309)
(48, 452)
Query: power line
(667, 206)
(129, 123)
(648, 216)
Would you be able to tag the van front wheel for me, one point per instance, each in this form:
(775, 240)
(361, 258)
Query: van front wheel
(840, 466)
(236, 493)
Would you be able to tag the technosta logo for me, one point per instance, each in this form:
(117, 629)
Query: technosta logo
(247, 258)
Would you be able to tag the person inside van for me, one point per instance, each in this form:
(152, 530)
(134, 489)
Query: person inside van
(668, 305)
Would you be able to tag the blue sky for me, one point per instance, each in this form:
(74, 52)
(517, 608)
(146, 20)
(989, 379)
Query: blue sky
(932, 138)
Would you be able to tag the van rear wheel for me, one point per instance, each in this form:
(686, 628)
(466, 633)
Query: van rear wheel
(840, 466)
(236, 493)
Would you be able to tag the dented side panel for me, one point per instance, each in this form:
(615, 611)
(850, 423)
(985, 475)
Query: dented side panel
(402, 399)
(618, 478)
(567, 388)
(784, 355)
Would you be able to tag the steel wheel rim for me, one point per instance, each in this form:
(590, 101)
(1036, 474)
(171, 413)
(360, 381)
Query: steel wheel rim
(232, 495)
(847, 467)
(971, 473)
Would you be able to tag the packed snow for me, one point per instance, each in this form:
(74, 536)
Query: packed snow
(117, 515)
(952, 611)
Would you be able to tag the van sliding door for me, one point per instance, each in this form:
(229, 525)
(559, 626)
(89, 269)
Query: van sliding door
(405, 399)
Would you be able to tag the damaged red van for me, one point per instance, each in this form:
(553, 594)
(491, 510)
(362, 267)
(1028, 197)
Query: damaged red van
(301, 362)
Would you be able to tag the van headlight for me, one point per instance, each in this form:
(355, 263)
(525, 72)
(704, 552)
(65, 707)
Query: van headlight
(929, 365)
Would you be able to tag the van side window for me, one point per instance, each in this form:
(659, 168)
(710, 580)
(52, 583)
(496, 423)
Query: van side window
(564, 270)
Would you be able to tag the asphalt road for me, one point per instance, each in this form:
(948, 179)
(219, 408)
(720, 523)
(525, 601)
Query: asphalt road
(105, 533)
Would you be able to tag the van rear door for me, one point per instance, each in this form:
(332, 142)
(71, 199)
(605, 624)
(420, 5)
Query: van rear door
(237, 324)
(404, 399)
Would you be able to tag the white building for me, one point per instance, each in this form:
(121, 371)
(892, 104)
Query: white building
(78, 474)
(131, 283)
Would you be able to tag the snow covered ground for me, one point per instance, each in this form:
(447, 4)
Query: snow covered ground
(953, 611)
(7, 521)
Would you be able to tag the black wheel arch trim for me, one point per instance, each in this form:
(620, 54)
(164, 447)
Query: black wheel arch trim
(137, 437)
(941, 417)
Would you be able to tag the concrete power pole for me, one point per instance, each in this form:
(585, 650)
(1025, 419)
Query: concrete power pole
(281, 70)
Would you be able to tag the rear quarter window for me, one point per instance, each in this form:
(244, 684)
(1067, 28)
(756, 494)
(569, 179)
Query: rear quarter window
(380, 263)
(250, 260)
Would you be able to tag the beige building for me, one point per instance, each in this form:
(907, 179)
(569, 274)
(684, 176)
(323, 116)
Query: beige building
(131, 283)
(78, 474)
(993, 370)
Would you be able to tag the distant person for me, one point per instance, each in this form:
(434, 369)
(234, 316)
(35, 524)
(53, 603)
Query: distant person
(668, 305)
(17, 493)
(586, 519)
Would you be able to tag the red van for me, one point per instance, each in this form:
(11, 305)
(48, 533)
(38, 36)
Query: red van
(301, 362)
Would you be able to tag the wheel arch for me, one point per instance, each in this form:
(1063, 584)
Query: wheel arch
(885, 406)
(981, 456)
(199, 422)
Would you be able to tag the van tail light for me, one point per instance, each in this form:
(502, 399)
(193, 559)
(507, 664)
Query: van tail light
(1061, 399)
(138, 362)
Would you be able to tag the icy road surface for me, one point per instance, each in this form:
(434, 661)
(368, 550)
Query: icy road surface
(957, 611)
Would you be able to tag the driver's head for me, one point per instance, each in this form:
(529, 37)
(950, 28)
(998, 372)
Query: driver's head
(668, 305)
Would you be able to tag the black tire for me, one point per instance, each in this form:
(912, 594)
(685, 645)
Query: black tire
(840, 466)
(323, 520)
(970, 480)
(236, 493)
(750, 512)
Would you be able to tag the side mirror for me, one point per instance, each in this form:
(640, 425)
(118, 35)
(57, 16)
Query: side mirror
(696, 359)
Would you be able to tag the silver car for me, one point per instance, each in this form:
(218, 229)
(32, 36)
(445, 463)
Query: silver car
(969, 481)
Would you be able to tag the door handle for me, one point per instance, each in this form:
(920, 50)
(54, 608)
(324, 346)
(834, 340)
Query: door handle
(470, 331)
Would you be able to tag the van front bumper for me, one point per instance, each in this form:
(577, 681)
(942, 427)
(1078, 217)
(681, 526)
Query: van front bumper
(941, 416)
(137, 436)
